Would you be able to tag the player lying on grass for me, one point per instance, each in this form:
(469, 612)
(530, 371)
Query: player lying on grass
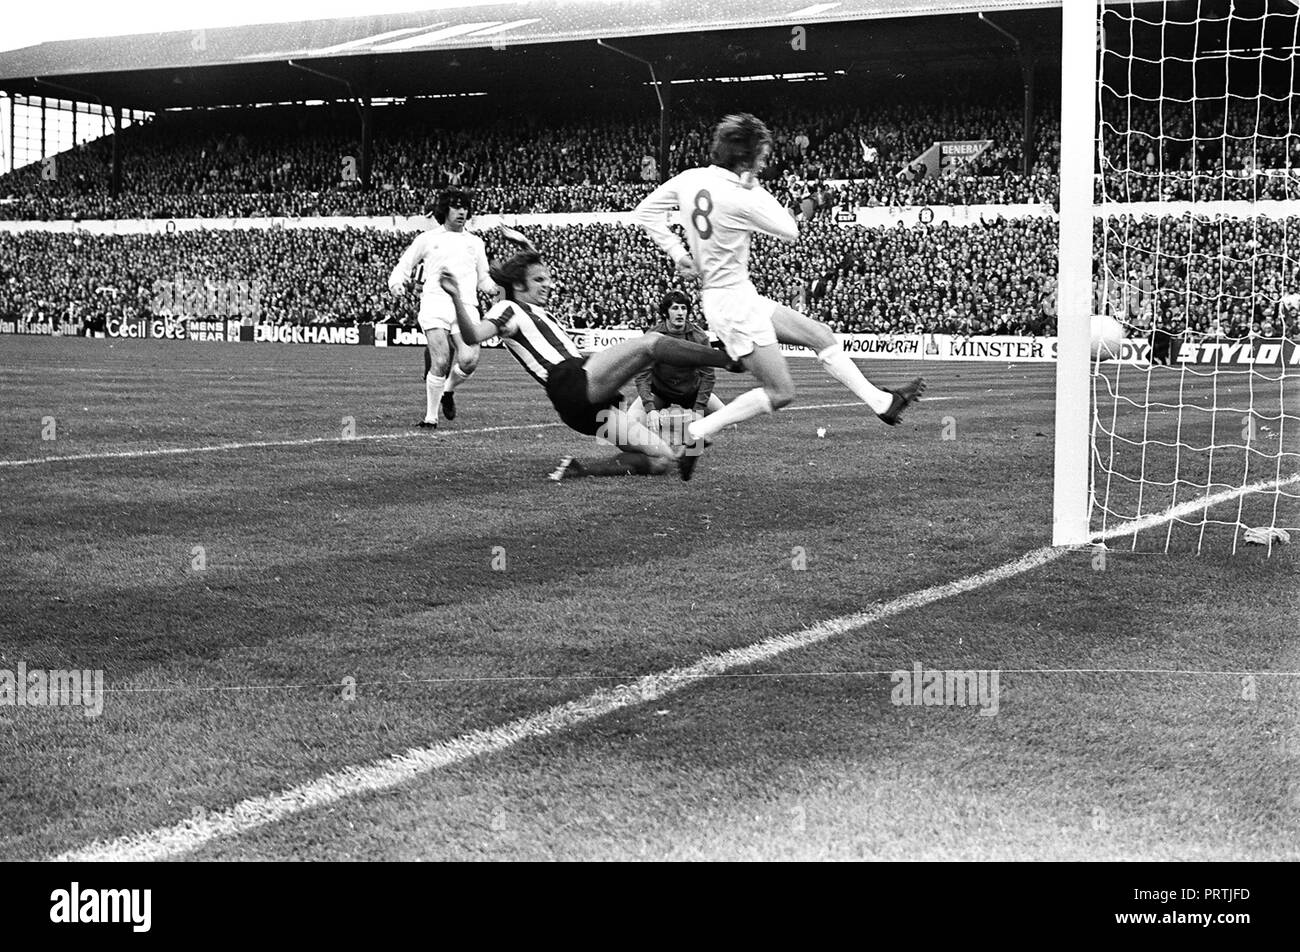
(585, 391)
(720, 207)
(659, 387)
(448, 247)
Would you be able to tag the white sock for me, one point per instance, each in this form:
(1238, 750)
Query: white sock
(842, 368)
(457, 378)
(748, 404)
(432, 394)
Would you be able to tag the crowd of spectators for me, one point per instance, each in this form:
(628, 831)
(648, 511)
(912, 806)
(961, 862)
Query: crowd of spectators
(299, 161)
(1214, 278)
(1210, 149)
(299, 276)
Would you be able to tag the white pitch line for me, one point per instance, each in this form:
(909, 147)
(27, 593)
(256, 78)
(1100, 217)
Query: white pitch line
(220, 447)
(390, 772)
(1191, 506)
(318, 440)
(255, 812)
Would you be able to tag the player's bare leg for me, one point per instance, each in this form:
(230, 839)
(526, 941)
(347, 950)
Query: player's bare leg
(465, 363)
(794, 328)
(624, 463)
(630, 436)
(437, 363)
(608, 371)
(775, 390)
(643, 453)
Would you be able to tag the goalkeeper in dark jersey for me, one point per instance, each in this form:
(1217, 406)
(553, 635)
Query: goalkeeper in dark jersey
(659, 386)
(665, 385)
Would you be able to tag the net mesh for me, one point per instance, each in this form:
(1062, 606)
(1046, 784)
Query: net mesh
(1196, 241)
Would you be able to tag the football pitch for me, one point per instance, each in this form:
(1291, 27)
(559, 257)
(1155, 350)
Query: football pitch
(326, 635)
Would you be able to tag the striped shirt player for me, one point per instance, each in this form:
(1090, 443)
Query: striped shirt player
(585, 391)
(533, 337)
(720, 207)
(550, 356)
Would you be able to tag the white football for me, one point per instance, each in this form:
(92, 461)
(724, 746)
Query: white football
(1107, 337)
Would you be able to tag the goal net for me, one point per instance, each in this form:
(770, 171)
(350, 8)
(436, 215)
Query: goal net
(1195, 423)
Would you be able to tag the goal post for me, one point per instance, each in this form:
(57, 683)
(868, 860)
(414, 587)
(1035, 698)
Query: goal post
(1179, 221)
(1079, 143)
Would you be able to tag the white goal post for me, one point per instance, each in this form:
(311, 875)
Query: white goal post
(1071, 511)
(1179, 226)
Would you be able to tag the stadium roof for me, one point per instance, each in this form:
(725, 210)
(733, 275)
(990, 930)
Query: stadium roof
(461, 46)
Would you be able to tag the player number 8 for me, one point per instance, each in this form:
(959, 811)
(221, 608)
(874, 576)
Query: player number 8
(703, 206)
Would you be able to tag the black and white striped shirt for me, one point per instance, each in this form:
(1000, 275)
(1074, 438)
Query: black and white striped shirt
(532, 337)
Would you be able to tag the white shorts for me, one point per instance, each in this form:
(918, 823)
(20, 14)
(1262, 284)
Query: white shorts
(434, 315)
(740, 316)
(433, 324)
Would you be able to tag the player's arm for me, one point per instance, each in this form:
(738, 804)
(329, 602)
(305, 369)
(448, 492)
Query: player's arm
(518, 237)
(402, 275)
(485, 283)
(642, 381)
(706, 377)
(652, 215)
(764, 213)
(472, 330)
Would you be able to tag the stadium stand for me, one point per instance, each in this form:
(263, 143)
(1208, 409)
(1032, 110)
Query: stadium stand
(994, 277)
(289, 161)
(1217, 150)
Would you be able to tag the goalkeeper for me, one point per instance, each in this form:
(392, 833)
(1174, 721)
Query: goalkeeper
(665, 385)
(661, 386)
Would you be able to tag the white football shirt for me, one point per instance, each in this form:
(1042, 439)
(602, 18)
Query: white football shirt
(461, 253)
(720, 216)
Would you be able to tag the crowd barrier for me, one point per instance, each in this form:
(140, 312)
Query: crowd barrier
(1261, 351)
(868, 216)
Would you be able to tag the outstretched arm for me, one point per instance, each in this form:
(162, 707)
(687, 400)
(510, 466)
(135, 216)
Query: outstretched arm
(643, 390)
(485, 283)
(518, 237)
(472, 330)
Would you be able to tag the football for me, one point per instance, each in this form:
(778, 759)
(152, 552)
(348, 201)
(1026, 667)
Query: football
(1107, 337)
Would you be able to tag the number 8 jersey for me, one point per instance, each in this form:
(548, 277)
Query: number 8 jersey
(720, 215)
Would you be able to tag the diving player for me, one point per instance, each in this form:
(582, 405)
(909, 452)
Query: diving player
(585, 391)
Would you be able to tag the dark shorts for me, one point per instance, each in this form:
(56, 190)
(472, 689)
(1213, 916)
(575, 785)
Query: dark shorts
(664, 399)
(566, 385)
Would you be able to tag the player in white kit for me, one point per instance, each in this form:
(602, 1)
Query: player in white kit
(446, 248)
(720, 207)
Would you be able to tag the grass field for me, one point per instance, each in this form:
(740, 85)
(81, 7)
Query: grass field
(1148, 701)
